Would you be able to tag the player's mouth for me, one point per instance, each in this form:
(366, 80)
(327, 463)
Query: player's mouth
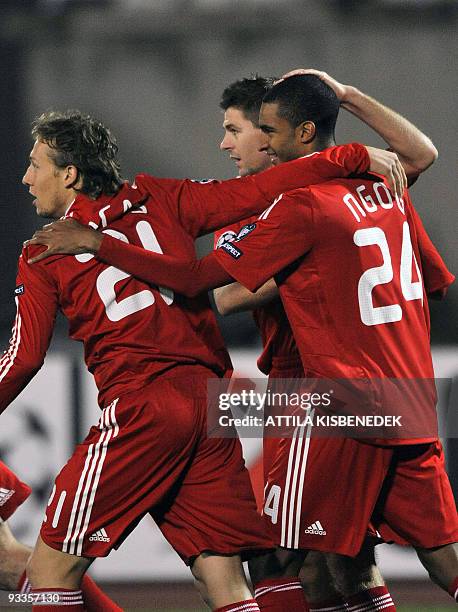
(273, 159)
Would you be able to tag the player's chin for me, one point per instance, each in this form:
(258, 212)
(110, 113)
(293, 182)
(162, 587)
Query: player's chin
(45, 214)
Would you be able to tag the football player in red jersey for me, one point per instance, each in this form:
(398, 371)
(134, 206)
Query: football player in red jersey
(338, 335)
(350, 330)
(345, 577)
(149, 451)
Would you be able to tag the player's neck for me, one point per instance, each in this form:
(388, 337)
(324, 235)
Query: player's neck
(320, 145)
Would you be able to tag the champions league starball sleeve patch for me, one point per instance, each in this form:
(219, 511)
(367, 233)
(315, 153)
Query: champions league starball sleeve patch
(19, 290)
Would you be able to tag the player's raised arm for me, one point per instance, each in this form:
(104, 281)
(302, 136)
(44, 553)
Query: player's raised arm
(36, 304)
(205, 207)
(415, 150)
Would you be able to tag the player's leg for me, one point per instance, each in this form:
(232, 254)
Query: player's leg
(305, 511)
(115, 461)
(359, 580)
(50, 568)
(441, 564)
(15, 556)
(214, 508)
(221, 581)
(13, 559)
(275, 579)
(61, 578)
(275, 575)
(318, 583)
(56, 578)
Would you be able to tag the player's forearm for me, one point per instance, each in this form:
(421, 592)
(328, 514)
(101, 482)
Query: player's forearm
(415, 149)
(189, 277)
(236, 298)
(36, 305)
(21, 361)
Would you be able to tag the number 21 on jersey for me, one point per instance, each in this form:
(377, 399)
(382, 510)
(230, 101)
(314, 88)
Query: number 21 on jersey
(106, 280)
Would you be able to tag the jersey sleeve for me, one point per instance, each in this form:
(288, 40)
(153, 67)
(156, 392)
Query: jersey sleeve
(36, 304)
(436, 276)
(282, 235)
(203, 207)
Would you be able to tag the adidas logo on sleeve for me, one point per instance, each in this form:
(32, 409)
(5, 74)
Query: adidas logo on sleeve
(316, 529)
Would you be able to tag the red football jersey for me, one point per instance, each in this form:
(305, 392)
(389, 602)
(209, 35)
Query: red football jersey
(355, 299)
(276, 336)
(132, 332)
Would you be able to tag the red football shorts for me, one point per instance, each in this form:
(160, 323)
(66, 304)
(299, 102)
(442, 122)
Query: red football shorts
(13, 492)
(323, 494)
(150, 453)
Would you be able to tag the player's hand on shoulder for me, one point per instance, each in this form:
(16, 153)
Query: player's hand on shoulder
(388, 165)
(339, 89)
(65, 237)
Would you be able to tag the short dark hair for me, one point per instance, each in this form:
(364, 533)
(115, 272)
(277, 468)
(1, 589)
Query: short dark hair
(81, 141)
(247, 95)
(306, 97)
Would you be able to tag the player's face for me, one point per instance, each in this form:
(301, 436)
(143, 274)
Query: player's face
(243, 141)
(283, 141)
(47, 183)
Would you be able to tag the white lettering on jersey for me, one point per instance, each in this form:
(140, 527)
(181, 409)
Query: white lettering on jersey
(370, 200)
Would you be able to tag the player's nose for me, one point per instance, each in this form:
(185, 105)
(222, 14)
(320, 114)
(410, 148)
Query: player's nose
(26, 178)
(226, 144)
(264, 143)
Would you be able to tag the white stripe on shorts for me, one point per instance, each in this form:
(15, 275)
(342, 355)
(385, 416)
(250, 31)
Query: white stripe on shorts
(89, 479)
(294, 485)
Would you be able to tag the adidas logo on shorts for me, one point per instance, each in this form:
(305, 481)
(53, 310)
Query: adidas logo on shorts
(5, 495)
(316, 529)
(99, 536)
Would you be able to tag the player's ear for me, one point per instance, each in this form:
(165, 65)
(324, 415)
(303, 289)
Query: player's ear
(306, 131)
(72, 177)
